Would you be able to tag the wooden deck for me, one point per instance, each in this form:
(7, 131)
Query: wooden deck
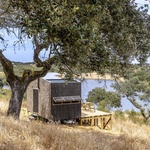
(96, 118)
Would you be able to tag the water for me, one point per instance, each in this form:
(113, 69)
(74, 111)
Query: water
(88, 85)
(6, 87)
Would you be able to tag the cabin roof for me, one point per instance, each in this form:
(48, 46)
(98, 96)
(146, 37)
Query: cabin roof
(54, 77)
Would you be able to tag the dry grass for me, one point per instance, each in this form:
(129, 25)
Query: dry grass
(94, 75)
(131, 129)
(35, 135)
(2, 73)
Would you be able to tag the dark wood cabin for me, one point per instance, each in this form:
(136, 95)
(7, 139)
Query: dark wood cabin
(54, 98)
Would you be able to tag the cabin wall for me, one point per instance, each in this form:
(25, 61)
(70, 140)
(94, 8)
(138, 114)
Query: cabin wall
(66, 110)
(44, 99)
(32, 85)
(66, 89)
(40, 95)
(38, 98)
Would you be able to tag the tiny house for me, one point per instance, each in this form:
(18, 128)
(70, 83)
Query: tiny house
(54, 98)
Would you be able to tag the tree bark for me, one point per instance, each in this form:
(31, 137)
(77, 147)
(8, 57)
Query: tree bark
(18, 88)
(17, 92)
(18, 84)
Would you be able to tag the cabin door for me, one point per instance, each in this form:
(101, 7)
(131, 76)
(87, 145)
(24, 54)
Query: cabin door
(35, 100)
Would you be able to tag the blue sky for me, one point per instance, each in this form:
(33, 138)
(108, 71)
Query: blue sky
(18, 53)
(21, 54)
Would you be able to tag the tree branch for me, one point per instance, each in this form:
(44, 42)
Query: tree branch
(7, 67)
(146, 117)
(144, 114)
(37, 50)
(37, 74)
(39, 47)
(135, 104)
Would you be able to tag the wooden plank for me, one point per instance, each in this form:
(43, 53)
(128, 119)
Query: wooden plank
(101, 119)
(105, 124)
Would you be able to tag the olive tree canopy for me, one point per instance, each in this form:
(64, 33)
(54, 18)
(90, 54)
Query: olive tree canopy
(87, 34)
(105, 100)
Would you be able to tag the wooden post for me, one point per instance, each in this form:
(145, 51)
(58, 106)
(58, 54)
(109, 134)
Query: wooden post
(80, 122)
(111, 121)
(92, 121)
(103, 122)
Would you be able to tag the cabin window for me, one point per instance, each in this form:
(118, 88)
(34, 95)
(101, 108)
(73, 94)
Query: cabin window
(66, 100)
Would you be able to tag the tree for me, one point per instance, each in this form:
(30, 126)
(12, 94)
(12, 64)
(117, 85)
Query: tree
(1, 84)
(79, 36)
(136, 88)
(103, 99)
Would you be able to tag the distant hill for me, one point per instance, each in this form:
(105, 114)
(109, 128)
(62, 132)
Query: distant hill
(19, 67)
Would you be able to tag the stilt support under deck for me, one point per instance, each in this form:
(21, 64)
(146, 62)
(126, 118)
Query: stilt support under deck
(97, 118)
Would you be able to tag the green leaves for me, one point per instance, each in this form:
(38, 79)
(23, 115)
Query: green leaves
(137, 89)
(101, 97)
(96, 35)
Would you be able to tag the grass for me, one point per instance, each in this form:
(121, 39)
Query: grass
(5, 94)
(36, 135)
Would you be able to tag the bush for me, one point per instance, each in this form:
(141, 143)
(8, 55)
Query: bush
(103, 99)
(119, 114)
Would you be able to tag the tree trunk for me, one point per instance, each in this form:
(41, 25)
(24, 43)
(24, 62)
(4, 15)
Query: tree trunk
(17, 93)
(18, 84)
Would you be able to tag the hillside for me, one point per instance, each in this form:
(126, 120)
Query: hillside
(20, 67)
(36, 135)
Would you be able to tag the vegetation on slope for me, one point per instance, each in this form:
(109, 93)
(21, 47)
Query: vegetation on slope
(31, 135)
(19, 68)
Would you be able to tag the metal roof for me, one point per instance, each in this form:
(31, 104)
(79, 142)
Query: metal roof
(55, 77)
(52, 75)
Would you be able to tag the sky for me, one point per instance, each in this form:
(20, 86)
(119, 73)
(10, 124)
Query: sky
(18, 53)
(25, 54)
